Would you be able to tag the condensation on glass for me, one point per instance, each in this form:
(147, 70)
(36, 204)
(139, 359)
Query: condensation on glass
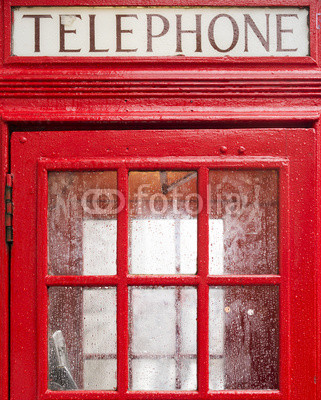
(244, 337)
(82, 338)
(162, 321)
(243, 222)
(163, 207)
(82, 223)
(162, 336)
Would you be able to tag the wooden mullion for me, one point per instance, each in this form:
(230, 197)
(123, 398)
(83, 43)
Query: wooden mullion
(122, 288)
(203, 288)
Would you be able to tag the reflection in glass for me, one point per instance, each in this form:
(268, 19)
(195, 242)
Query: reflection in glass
(244, 337)
(82, 215)
(162, 335)
(163, 208)
(82, 338)
(246, 203)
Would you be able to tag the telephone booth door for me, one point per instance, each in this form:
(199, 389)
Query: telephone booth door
(163, 265)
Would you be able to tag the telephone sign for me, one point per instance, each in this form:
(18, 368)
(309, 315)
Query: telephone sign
(160, 31)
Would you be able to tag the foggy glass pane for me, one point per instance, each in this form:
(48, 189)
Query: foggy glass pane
(246, 202)
(244, 337)
(216, 379)
(162, 336)
(152, 374)
(216, 246)
(82, 338)
(82, 223)
(100, 374)
(188, 373)
(163, 222)
(99, 246)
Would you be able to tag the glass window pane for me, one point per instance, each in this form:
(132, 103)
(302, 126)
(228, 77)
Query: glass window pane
(82, 223)
(163, 222)
(82, 338)
(188, 373)
(99, 246)
(245, 241)
(162, 335)
(149, 374)
(216, 246)
(244, 337)
(100, 374)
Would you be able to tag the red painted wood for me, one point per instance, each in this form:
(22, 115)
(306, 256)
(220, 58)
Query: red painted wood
(222, 92)
(242, 395)
(87, 150)
(212, 114)
(23, 295)
(122, 288)
(231, 280)
(285, 281)
(4, 272)
(164, 280)
(203, 287)
(302, 295)
(318, 265)
(155, 164)
(164, 395)
(79, 280)
(41, 287)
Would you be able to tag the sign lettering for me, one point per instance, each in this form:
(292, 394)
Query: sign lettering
(160, 32)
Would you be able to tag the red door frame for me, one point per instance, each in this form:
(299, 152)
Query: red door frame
(216, 151)
(82, 146)
(78, 92)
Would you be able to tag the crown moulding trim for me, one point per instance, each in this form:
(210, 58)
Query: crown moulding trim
(187, 87)
(134, 89)
(294, 114)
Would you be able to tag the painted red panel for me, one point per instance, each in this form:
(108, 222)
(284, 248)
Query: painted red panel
(290, 151)
(4, 273)
(221, 92)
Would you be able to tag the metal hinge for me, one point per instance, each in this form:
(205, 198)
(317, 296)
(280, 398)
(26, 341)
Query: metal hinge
(9, 208)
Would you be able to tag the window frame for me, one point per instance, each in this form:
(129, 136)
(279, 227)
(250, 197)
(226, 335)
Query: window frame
(280, 62)
(202, 165)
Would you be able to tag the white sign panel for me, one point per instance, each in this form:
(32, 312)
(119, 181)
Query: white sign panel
(160, 31)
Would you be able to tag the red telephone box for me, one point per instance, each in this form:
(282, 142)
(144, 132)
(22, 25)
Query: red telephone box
(160, 191)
